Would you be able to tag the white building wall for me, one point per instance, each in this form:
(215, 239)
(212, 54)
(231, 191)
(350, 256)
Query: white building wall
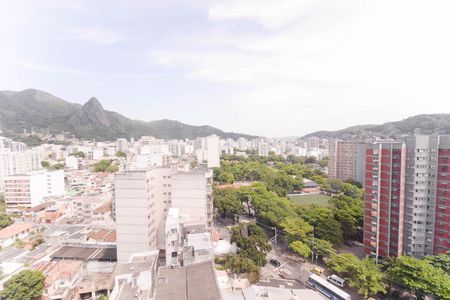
(213, 151)
(191, 193)
(139, 209)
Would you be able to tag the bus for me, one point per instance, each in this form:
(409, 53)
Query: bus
(327, 289)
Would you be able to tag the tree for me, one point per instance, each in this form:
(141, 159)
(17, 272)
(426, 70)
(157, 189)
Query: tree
(222, 177)
(420, 276)
(252, 242)
(301, 248)
(2, 204)
(5, 220)
(57, 167)
(361, 274)
(349, 212)
(239, 264)
(19, 244)
(344, 264)
(320, 247)
(121, 154)
(79, 154)
(325, 226)
(45, 164)
(440, 261)
(368, 279)
(26, 285)
(226, 202)
(105, 165)
(296, 228)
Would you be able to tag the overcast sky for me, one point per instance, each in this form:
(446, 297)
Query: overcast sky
(264, 67)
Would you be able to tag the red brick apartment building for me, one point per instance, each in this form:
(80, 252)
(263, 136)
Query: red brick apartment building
(384, 199)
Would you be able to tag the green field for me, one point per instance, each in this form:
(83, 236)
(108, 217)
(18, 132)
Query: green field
(316, 199)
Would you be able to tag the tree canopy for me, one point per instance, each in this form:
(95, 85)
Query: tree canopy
(5, 220)
(25, 285)
(421, 276)
(363, 274)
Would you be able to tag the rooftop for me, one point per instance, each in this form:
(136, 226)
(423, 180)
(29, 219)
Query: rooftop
(85, 253)
(194, 282)
(14, 229)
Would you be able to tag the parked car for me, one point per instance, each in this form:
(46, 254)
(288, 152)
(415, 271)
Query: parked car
(275, 263)
(336, 280)
(349, 243)
(317, 270)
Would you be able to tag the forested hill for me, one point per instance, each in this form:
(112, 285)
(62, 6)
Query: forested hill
(42, 112)
(420, 124)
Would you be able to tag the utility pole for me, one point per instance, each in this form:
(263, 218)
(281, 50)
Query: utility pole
(276, 235)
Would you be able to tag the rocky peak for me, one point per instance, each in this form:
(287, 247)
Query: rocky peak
(95, 112)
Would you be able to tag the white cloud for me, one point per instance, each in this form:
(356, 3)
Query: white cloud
(95, 35)
(324, 58)
(267, 13)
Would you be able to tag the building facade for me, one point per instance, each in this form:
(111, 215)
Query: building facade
(427, 215)
(384, 199)
(192, 194)
(140, 199)
(29, 190)
(346, 160)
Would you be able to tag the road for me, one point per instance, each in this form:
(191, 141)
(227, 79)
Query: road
(299, 269)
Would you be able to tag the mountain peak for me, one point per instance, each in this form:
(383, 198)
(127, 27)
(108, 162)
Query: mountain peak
(95, 112)
(93, 103)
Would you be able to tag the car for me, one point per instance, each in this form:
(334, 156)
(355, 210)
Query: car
(349, 243)
(317, 270)
(275, 263)
(336, 280)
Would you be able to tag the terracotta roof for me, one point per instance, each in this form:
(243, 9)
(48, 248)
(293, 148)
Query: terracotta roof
(14, 229)
(38, 207)
(105, 208)
(110, 237)
(103, 235)
(51, 214)
(97, 235)
(235, 185)
(54, 270)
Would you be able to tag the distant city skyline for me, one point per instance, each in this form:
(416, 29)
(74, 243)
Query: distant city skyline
(269, 68)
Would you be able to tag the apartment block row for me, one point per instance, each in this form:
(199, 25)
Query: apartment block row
(407, 197)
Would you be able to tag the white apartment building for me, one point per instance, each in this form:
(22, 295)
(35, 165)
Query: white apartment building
(263, 149)
(18, 162)
(426, 219)
(140, 198)
(192, 194)
(122, 145)
(29, 190)
(173, 236)
(242, 144)
(213, 151)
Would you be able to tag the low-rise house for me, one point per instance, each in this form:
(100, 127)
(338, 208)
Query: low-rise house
(10, 234)
(51, 216)
(197, 248)
(310, 187)
(102, 215)
(135, 279)
(61, 278)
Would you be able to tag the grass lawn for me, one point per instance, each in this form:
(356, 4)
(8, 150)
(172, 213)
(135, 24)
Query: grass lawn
(316, 199)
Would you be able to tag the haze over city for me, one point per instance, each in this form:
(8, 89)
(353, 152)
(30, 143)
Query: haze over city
(269, 68)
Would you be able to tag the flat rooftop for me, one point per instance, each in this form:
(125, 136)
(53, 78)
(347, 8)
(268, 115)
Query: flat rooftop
(85, 253)
(194, 282)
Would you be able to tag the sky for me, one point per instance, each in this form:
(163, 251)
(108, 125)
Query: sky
(262, 67)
